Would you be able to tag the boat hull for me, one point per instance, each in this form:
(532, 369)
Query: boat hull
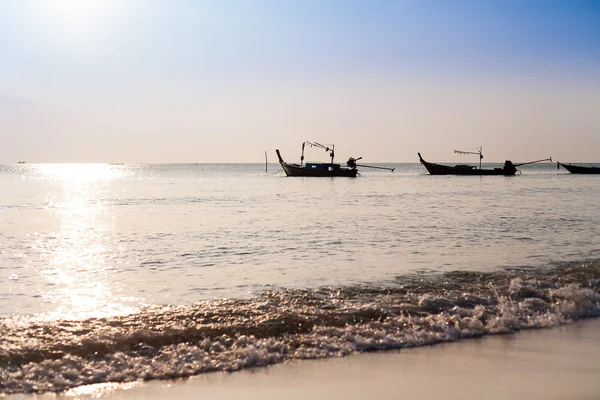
(576, 169)
(296, 170)
(438, 169)
(316, 169)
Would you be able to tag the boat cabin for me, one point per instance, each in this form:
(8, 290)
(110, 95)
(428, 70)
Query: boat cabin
(322, 166)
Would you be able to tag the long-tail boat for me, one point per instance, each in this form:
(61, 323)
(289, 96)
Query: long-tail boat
(577, 169)
(508, 169)
(316, 168)
(323, 169)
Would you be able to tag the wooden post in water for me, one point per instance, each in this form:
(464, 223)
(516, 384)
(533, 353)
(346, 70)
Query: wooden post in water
(266, 163)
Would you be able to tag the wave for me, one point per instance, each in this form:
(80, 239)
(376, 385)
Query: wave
(166, 342)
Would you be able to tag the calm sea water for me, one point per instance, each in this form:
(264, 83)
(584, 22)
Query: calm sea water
(125, 272)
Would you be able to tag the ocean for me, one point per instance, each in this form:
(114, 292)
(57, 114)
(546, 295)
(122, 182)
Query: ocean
(119, 273)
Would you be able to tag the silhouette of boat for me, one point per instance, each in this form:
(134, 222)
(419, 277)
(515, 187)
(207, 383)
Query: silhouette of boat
(324, 169)
(576, 169)
(508, 169)
(316, 168)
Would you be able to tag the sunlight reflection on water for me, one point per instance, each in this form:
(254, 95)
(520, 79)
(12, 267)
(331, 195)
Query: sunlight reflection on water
(77, 282)
(78, 173)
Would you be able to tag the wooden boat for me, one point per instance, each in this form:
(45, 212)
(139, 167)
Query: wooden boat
(463, 169)
(508, 169)
(576, 169)
(324, 169)
(316, 168)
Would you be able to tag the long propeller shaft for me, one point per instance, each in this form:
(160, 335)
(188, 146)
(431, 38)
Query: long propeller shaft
(533, 162)
(372, 166)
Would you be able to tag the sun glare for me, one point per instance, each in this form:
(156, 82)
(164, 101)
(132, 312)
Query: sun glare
(80, 172)
(76, 20)
(77, 11)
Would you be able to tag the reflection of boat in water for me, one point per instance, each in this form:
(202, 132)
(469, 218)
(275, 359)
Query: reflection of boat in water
(21, 162)
(508, 169)
(577, 169)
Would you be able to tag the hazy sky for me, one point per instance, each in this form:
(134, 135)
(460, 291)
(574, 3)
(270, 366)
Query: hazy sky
(223, 81)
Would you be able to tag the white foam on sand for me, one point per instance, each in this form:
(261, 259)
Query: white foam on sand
(557, 363)
(281, 326)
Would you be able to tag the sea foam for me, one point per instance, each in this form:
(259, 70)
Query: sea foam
(279, 325)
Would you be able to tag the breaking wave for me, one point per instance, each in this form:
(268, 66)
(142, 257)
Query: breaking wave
(279, 325)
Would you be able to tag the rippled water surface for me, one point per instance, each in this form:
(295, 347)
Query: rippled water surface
(207, 267)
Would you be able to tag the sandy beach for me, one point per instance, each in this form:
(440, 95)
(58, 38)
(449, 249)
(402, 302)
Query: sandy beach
(558, 363)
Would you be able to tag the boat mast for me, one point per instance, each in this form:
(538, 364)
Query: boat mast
(480, 152)
(302, 156)
(322, 146)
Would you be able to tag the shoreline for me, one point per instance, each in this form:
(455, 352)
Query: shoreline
(554, 363)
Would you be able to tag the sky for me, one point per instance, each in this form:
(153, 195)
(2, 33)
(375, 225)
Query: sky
(224, 81)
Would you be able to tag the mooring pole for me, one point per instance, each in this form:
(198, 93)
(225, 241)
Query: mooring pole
(266, 163)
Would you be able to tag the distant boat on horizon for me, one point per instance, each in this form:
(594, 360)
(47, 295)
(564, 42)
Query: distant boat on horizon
(21, 162)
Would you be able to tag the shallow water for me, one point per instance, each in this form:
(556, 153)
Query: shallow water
(124, 272)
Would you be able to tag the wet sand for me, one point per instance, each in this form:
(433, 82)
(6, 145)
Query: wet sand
(558, 363)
